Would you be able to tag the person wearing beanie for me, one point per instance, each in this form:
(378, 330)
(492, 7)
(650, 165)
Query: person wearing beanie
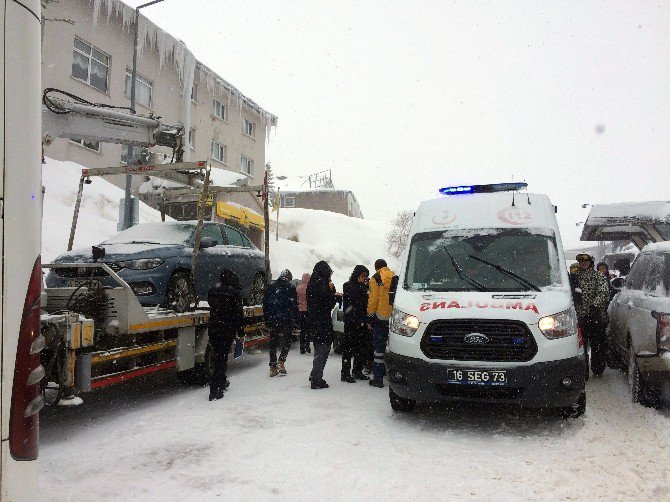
(280, 311)
(321, 299)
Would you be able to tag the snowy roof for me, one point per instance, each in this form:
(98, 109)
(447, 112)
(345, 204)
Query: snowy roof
(625, 220)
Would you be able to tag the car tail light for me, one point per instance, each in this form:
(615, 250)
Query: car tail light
(662, 330)
(27, 399)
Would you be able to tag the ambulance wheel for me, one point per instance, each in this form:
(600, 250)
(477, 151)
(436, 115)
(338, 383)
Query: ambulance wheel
(399, 404)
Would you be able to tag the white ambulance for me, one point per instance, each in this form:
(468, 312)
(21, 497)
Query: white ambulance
(483, 309)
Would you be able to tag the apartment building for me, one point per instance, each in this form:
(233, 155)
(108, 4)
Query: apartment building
(87, 50)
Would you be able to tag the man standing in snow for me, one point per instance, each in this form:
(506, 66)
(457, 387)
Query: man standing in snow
(379, 313)
(321, 299)
(592, 311)
(280, 311)
(226, 320)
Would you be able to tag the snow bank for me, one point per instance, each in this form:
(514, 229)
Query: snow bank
(342, 241)
(98, 215)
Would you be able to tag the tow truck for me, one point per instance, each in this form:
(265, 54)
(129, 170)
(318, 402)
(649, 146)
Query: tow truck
(98, 336)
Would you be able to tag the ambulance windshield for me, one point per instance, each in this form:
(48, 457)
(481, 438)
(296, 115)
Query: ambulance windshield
(457, 260)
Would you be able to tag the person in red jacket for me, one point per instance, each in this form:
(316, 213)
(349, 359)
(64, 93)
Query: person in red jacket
(302, 307)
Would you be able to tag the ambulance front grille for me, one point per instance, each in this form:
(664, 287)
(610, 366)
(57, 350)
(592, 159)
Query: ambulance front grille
(496, 340)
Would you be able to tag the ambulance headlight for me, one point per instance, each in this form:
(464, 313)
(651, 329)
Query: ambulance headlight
(403, 324)
(559, 325)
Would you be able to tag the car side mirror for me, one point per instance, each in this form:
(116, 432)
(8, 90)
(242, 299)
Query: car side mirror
(619, 283)
(208, 242)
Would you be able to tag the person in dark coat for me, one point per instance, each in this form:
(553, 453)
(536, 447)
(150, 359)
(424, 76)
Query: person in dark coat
(604, 270)
(226, 321)
(355, 305)
(280, 311)
(321, 299)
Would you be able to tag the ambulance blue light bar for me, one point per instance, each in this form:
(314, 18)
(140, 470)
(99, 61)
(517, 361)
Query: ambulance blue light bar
(494, 187)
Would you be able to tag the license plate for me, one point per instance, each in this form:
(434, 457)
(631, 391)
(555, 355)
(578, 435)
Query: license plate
(477, 377)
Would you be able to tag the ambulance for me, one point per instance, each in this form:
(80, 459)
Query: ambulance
(483, 310)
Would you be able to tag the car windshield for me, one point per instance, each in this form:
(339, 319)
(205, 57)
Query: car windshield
(483, 260)
(154, 233)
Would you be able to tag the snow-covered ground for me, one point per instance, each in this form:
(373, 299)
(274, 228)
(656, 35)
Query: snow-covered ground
(276, 439)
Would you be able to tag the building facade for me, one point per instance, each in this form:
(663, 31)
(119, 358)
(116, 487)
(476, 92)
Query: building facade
(87, 50)
(325, 199)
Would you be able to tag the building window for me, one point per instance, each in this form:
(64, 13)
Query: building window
(90, 65)
(220, 110)
(289, 202)
(249, 128)
(191, 138)
(219, 151)
(143, 87)
(90, 145)
(194, 93)
(246, 164)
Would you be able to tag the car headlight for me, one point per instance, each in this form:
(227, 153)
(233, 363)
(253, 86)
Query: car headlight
(559, 325)
(143, 264)
(403, 324)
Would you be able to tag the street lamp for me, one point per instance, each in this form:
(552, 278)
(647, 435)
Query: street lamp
(127, 202)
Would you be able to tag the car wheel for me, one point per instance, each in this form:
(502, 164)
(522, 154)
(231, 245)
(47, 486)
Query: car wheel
(640, 392)
(179, 292)
(258, 287)
(577, 409)
(399, 404)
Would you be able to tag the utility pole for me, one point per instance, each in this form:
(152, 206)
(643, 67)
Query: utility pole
(128, 202)
(266, 218)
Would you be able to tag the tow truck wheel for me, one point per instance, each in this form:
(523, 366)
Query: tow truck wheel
(399, 404)
(201, 373)
(179, 292)
(575, 410)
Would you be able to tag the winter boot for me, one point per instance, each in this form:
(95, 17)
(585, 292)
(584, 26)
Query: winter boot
(226, 385)
(319, 385)
(281, 369)
(360, 376)
(346, 377)
(376, 383)
(274, 371)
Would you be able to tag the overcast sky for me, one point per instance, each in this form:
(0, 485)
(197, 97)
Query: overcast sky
(401, 98)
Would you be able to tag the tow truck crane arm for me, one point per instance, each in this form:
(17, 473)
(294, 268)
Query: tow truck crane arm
(81, 120)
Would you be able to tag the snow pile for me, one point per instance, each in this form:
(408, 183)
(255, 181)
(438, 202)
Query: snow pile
(342, 241)
(98, 215)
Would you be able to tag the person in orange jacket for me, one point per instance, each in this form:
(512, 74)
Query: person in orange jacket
(379, 313)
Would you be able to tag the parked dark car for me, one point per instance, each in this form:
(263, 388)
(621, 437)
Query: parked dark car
(639, 328)
(155, 260)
